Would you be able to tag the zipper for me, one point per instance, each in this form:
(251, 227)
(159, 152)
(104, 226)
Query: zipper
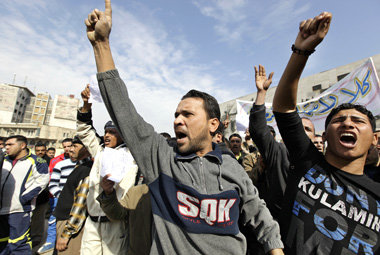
(203, 181)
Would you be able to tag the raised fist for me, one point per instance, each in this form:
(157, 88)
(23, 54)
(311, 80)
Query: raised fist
(99, 24)
(313, 31)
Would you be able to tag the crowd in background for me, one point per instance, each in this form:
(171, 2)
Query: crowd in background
(189, 194)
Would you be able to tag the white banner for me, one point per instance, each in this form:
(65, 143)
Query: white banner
(361, 86)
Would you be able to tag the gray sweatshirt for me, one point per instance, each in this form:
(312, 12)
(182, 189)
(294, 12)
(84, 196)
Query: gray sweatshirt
(197, 202)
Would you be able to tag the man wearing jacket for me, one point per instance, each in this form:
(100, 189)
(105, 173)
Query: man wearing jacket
(198, 192)
(275, 155)
(100, 235)
(69, 207)
(40, 214)
(135, 205)
(24, 176)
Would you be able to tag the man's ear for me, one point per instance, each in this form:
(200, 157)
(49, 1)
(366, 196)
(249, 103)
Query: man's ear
(375, 139)
(23, 145)
(213, 125)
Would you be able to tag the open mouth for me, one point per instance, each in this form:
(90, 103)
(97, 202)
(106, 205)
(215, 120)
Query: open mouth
(348, 139)
(180, 136)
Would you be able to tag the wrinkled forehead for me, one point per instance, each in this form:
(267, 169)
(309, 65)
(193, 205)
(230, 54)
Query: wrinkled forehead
(191, 104)
(349, 113)
(11, 141)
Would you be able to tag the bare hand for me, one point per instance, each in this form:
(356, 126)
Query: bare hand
(313, 31)
(262, 82)
(226, 122)
(62, 243)
(107, 185)
(99, 24)
(85, 94)
(247, 135)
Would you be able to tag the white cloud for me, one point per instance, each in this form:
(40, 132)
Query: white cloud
(238, 20)
(58, 58)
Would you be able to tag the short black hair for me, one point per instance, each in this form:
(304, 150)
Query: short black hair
(67, 140)
(19, 138)
(317, 135)
(357, 107)
(2, 138)
(40, 144)
(235, 135)
(210, 104)
(76, 140)
(51, 149)
(166, 135)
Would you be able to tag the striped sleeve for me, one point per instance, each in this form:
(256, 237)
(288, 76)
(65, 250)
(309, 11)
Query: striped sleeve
(54, 182)
(78, 210)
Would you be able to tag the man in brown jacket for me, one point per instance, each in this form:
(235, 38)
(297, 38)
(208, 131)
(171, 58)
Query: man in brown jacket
(135, 205)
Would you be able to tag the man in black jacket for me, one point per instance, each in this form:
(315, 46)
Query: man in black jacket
(275, 155)
(64, 212)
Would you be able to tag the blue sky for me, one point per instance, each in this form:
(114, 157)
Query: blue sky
(163, 48)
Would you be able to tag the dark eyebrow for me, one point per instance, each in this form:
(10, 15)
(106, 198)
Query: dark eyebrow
(183, 112)
(354, 117)
(358, 117)
(340, 118)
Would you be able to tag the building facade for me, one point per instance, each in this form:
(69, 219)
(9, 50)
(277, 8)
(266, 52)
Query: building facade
(37, 117)
(13, 102)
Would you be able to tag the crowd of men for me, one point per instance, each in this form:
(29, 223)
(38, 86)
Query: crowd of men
(197, 193)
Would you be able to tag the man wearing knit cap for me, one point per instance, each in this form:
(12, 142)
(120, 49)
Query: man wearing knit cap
(100, 235)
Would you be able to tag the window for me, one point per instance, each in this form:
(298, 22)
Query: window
(339, 77)
(317, 87)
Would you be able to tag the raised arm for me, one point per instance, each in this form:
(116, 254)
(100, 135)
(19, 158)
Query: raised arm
(262, 84)
(85, 94)
(99, 26)
(260, 133)
(148, 148)
(311, 33)
(85, 129)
